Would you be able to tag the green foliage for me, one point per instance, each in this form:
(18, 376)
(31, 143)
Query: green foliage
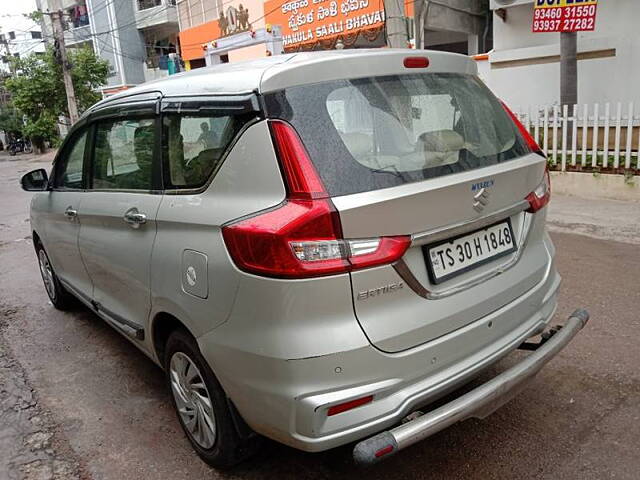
(11, 121)
(35, 16)
(38, 91)
(42, 128)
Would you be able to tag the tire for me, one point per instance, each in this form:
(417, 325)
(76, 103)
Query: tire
(227, 447)
(59, 296)
(12, 152)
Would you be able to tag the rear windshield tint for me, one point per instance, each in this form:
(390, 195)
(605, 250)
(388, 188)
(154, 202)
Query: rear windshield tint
(373, 133)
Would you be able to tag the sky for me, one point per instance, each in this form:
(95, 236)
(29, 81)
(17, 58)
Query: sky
(11, 15)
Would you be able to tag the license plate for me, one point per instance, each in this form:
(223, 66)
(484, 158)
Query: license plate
(463, 253)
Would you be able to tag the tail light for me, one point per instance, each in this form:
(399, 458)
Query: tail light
(529, 140)
(540, 197)
(303, 237)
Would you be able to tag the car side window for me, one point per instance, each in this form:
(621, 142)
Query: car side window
(193, 146)
(123, 154)
(69, 172)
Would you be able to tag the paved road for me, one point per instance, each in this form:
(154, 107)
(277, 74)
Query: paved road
(77, 400)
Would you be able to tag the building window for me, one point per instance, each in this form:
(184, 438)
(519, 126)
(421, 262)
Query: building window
(36, 35)
(144, 4)
(12, 35)
(158, 49)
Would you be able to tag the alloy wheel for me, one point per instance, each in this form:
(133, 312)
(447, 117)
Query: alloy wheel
(193, 400)
(47, 274)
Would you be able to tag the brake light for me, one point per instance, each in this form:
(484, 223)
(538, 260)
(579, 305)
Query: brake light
(541, 196)
(351, 404)
(303, 237)
(302, 179)
(528, 138)
(415, 62)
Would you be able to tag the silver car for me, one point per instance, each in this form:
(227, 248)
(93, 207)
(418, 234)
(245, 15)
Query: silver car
(313, 246)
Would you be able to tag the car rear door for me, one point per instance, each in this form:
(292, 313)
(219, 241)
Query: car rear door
(434, 156)
(118, 216)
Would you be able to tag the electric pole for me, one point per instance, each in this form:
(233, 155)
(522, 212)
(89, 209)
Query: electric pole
(58, 35)
(396, 23)
(568, 68)
(418, 27)
(569, 76)
(5, 42)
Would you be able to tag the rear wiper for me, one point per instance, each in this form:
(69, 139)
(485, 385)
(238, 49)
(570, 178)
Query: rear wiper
(393, 172)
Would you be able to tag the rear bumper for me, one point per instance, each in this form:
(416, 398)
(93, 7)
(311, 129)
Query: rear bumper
(287, 399)
(477, 403)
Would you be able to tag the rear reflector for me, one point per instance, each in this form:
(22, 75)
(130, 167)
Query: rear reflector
(303, 237)
(383, 451)
(526, 136)
(416, 62)
(351, 404)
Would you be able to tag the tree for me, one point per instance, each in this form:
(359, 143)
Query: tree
(10, 121)
(38, 92)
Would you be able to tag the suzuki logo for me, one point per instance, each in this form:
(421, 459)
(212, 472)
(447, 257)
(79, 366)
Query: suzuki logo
(481, 199)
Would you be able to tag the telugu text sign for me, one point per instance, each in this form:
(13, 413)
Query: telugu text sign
(564, 15)
(308, 21)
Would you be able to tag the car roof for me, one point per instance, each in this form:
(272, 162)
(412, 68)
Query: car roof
(281, 71)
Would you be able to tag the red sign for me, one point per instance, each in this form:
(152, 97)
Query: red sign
(564, 16)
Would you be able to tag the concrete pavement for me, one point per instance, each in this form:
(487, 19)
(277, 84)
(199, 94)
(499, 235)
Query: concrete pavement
(100, 408)
(604, 219)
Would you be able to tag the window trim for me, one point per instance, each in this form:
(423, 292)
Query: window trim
(141, 105)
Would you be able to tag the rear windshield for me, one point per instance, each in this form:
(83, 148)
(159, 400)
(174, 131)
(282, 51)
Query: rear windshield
(372, 133)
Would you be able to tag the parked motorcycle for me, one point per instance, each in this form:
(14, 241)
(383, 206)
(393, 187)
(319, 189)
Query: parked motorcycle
(20, 145)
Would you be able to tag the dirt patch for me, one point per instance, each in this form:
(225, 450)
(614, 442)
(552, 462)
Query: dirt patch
(30, 446)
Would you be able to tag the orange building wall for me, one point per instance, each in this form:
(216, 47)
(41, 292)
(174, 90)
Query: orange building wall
(192, 39)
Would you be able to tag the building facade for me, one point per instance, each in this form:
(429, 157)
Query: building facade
(134, 36)
(232, 30)
(524, 67)
(21, 40)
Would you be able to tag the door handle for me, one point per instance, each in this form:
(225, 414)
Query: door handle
(70, 213)
(134, 218)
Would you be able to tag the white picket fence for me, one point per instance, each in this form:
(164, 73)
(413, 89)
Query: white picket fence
(601, 136)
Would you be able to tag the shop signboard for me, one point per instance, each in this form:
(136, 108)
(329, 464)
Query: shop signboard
(306, 22)
(564, 15)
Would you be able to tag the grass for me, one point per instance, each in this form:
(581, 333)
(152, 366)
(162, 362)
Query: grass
(599, 164)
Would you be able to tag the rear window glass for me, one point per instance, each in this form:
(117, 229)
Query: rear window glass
(372, 133)
(193, 146)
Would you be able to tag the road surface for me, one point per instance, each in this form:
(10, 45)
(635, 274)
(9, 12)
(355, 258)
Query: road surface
(78, 401)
